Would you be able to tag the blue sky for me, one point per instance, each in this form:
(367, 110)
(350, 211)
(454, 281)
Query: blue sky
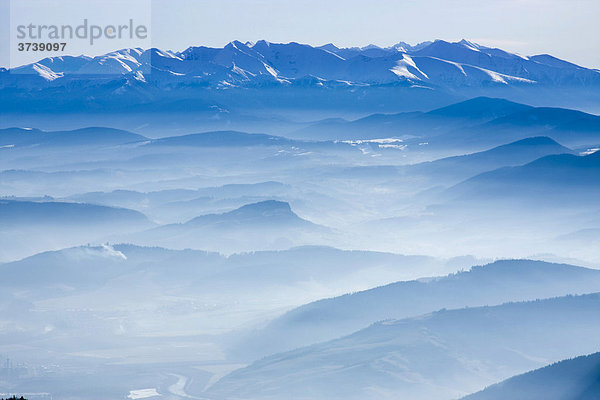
(568, 29)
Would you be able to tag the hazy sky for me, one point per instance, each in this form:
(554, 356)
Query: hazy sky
(568, 29)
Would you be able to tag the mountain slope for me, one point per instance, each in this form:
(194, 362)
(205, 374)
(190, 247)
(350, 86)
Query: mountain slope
(441, 355)
(477, 123)
(264, 213)
(30, 227)
(490, 284)
(574, 379)
(84, 267)
(92, 136)
(480, 108)
(256, 281)
(14, 213)
(426, 124)
(512, 154)
(551, 180)
(570, 127)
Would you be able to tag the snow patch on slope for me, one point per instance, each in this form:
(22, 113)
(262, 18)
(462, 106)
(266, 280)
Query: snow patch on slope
(402, 69)
(46, 72)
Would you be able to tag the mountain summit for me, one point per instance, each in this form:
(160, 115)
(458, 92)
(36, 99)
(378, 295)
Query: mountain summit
(265, 212)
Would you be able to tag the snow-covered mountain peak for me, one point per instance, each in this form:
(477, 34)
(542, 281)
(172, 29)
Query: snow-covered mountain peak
(439, 65)
(471, 45)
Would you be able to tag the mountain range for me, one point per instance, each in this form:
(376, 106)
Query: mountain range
(473, 125)
(267, 221)
(203, 78)
(477, 123)
(78, 280)
(490, 284)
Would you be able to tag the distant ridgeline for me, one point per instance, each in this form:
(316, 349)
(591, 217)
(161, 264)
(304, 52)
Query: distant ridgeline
(430, 75)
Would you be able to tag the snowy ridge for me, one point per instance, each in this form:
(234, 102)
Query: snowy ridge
(429, 64)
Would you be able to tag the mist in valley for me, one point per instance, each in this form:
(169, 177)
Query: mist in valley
(334, 250)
